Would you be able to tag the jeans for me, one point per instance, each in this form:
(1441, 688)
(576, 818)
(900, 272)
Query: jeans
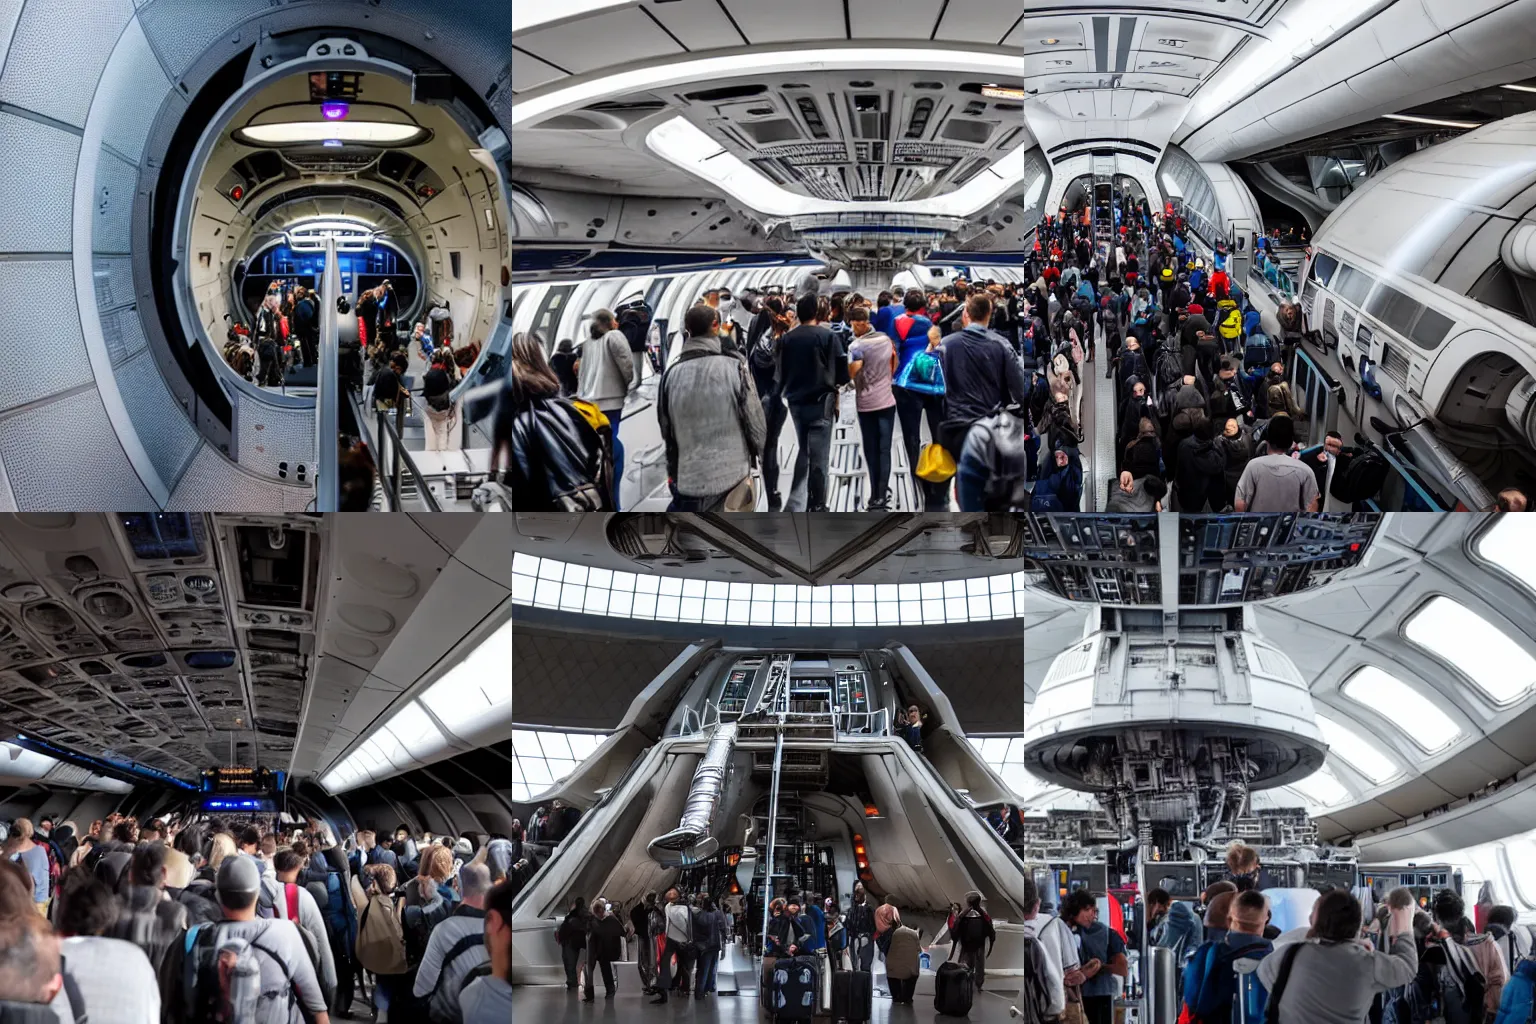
(614, 416)
(910, 407)
(813, 434)
(971, 487)
(774, 413)
(876, 428)
(682, 503)
(709, 963)
(863, 953)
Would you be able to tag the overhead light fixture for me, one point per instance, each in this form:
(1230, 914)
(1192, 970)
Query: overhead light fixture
(368, 133)
(1439, 122)
(1002, 92)
(334, 110)
(1049, 42)
(1520, 88)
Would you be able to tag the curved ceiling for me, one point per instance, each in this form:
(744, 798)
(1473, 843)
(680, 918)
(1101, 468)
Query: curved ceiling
(1422, 668)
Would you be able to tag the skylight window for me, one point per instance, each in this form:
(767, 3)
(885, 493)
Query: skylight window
(1510, 544)
(294, 133)
(546, 583)
(1004, 755)
(1356, 751)
(1470, 643)
(478, 689)
(542, 757)
(1323, 788)
(1395, 700)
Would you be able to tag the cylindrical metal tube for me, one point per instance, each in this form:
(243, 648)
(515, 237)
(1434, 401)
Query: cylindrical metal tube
(1162, 985)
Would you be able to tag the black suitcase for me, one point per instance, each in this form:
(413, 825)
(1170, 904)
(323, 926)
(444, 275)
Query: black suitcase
(792, 988)
(952, 992)
(853, 996)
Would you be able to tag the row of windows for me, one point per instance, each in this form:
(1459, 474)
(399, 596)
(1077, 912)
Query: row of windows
(1404, 314)
(547, 583)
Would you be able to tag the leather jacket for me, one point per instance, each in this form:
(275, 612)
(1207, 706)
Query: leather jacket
(558, 463)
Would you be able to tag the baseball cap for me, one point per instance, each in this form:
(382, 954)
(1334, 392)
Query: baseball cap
(238, 874)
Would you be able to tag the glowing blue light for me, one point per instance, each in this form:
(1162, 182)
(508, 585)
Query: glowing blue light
(334, 110)
(332, 143)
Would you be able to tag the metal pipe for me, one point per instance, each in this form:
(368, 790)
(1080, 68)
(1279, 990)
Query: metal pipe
(328, 396)
(773, 833)
(691, 842)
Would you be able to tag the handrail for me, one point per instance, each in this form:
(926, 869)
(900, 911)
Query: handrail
(364, 429)
(398, 457)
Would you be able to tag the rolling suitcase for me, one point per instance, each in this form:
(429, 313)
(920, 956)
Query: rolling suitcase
(952, 991)
(792, 989)
(853, 996)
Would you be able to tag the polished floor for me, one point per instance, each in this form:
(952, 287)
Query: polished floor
(553, 1004)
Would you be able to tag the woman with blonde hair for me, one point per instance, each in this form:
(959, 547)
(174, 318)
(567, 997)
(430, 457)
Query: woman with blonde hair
(223, 846)
(20, 847)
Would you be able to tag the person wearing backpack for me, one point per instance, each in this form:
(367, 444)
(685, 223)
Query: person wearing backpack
(146, 916)
(381, 938)
(294, 903)
(114, 979)
(1330, 978)
(909, 333)
(1210, 981)
(1513, 940)
(457, 947)
(555, 459)
(244, 969)
(973, 930)
(1450, 913)
(711, 421)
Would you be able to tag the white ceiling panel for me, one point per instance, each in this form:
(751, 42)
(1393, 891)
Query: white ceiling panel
(1032, 33)
(893, 19)
(788, 20)
(700, 24)
(582, 46)
(977, 21)
(529, 72)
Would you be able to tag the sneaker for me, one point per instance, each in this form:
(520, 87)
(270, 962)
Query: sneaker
(661, 997)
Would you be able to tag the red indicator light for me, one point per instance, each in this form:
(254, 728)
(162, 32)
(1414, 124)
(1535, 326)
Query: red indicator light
(1354, 547)
(237, 193)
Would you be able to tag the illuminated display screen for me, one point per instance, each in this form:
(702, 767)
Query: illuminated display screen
(238, 804)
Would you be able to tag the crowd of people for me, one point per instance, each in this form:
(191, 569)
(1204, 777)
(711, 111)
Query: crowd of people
(677, 939)
(1396, 964)
(749, 367)
(251, 923)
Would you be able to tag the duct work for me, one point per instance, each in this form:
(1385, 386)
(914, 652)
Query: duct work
(691, 842)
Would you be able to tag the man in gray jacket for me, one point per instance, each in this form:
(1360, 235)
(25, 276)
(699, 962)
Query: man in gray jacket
(457, 946)
(605, 368)
(710, 418)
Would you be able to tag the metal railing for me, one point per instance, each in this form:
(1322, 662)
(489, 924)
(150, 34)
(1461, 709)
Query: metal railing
(1320, 395)
(391, 459)
(1401, 492)
(857, 723)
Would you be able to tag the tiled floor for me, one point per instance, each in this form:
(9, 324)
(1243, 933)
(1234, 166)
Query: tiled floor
(555, 1005)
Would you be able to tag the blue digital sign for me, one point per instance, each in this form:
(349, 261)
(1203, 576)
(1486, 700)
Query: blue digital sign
(237, 804)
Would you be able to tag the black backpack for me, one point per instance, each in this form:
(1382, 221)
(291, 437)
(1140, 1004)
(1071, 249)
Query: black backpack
(1034, 1000)
(971, 930)
(1361, 477)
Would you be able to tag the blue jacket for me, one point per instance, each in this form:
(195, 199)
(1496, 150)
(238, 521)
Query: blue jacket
(818, 921)
(1179, 929)
(1059, 489)
(1210, 983)
(1519, 999)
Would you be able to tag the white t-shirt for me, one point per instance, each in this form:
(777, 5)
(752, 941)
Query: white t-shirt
(1060, 948)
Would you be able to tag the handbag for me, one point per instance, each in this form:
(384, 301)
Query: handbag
(743, 497)
(923, 373)
(1073, 1011)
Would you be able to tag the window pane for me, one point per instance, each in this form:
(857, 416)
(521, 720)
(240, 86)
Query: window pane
(576, 574)
(1322, 788)
(1462, 638)
(525, 741)
(555, 744)
(1396, 701)
(1354, 749)
(524, 563)
(549, 569)
(1510, 544)
(599, 578)
(522, 589)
